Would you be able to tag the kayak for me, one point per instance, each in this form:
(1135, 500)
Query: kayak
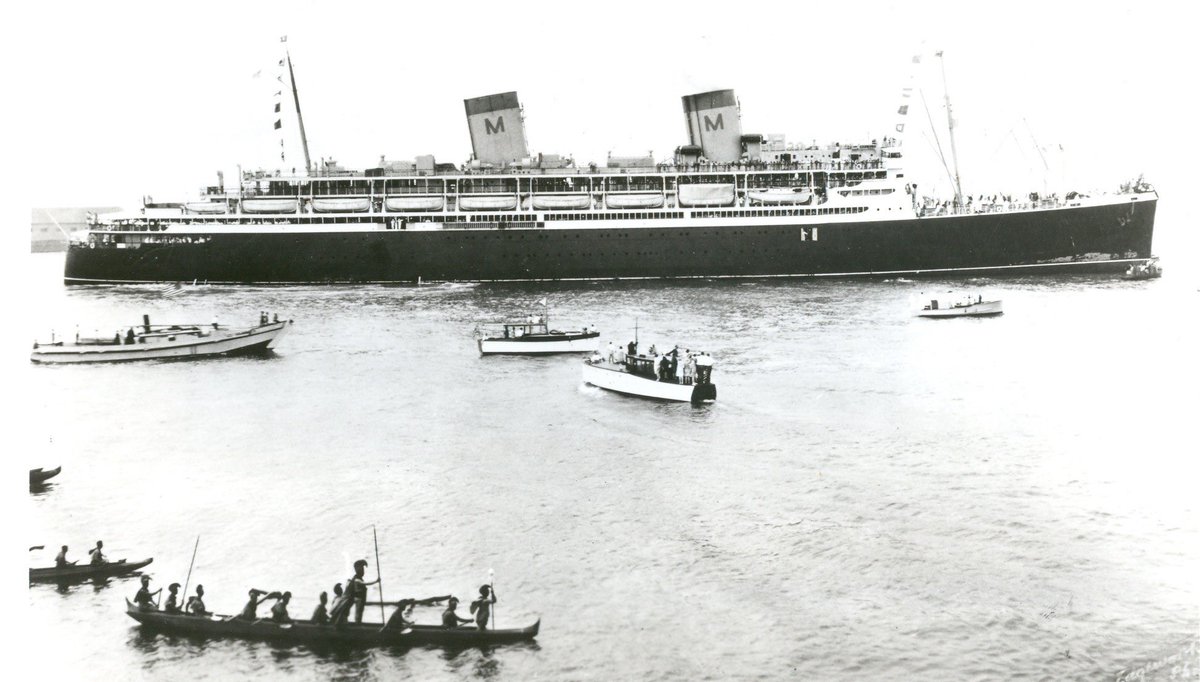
(307, 632)
(39, 476)
(85, 571)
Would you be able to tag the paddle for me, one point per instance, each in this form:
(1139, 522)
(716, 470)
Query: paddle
(378, 573)
(37, 547)
(492, 595)
(189, 575)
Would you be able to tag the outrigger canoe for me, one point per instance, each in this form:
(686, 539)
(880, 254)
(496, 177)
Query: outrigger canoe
(39, 476)
(307, 632)
(83, 572)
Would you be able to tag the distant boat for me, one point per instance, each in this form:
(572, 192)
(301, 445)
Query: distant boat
(305, 631)
(83, 572)
(635, 376)
(968, 308)
(39, 476)
(1146, 270)
(154, 342)
(534, 337)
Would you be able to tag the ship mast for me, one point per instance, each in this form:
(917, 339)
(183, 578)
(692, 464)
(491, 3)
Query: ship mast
(950, 120)
(299, 116)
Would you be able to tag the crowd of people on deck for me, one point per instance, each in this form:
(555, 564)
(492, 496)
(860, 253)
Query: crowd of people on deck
(678, 365)
(351, 599)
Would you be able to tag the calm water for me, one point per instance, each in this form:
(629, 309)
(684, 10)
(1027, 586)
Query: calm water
(874, 496)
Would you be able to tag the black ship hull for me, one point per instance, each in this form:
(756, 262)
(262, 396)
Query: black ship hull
(1103, 238)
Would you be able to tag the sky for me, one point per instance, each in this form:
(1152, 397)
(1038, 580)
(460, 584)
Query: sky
(123, 100)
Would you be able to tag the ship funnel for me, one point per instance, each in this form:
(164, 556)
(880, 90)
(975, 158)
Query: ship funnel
(497, 128)
(714, 125)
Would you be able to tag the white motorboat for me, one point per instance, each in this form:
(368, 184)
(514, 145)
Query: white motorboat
(967, 308)
(635, 376)
(164, 342)
(533, 336)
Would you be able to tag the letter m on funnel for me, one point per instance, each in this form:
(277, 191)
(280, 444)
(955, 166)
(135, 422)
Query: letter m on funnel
(718, 124)
(498, 127)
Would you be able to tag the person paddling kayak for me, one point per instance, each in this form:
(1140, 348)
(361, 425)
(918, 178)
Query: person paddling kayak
(145, 598)
(451, 619)
(195, 605)
(97, 553)
(60, 561)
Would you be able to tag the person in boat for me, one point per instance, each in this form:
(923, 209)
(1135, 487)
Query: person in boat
(401, 618)
(320, 615)
(172, 605)
(195, 605)
(482, 607)
(451, 619)
(632, 348)
(704, 365)
(689, 366)
(129, 336)
(279, 612)
(145, 598)
(60, 561)
(355, 595)
(97, 553)
(250, 610)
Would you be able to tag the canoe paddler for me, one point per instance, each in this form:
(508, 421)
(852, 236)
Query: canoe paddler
(451, 619)
(320, 615)
(279, 612)
(97, 553)
(401, 617)
(145, 598)
(60, 560)
(250, 610)
(195, 605)
(172, 605)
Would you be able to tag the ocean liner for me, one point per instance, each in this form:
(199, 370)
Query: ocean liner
(727, 204)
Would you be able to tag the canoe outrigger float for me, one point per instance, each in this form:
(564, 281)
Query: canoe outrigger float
(83, 572)
(307, 632)
(164, 342)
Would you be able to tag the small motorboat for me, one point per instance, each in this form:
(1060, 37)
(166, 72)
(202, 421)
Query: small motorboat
(164, 342)
(635, 375)
(967, 308)
(82, 572)
(1148, 269)
(306, 631)
(533, 336)
(39, 476)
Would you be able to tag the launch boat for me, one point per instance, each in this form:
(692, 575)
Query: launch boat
(533, 336)
(164, 342)
(1147, 270)
(968, 308)
(636, 375)
(83, 572)
(307, 632)
(726, 204)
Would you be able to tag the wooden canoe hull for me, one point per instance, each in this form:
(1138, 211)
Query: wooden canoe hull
(40, 476)
(306, 632)
(86, 571)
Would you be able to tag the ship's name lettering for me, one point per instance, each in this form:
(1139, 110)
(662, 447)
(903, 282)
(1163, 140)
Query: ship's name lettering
(497, 127)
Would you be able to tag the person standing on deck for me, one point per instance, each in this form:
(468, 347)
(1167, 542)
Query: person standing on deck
(482, 607)
(355, 595)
